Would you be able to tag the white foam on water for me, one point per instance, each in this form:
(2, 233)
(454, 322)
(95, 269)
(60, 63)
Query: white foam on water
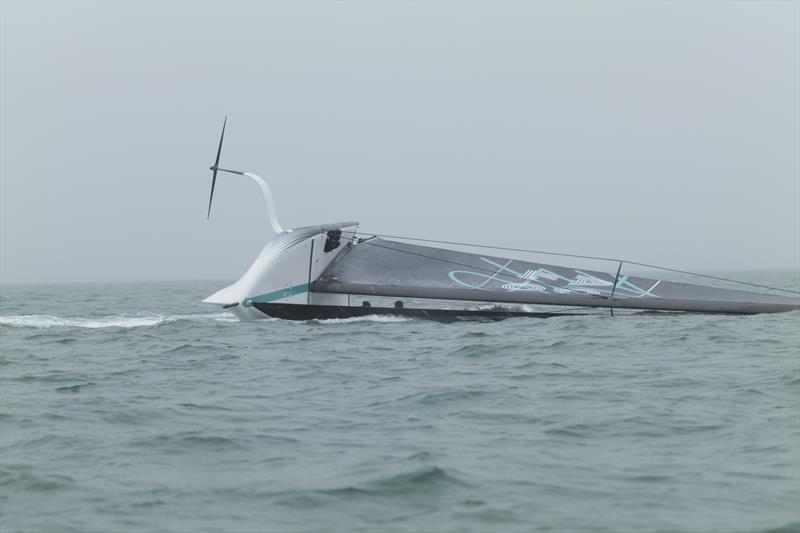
(152, 319)
(113, 321)
(226, 317)
(388, 319)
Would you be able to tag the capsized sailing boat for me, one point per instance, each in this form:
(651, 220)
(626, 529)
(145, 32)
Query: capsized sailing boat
(335, 271)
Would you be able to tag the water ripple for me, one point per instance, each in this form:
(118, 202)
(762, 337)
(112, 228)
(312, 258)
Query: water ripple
(135, 408)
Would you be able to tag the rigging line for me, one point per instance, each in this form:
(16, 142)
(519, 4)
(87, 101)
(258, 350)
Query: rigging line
(708, 276)
(448, 261)
(486, 246)
(492, 272)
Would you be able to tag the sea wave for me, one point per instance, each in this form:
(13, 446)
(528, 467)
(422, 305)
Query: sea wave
(112, 321)
(369, 318)
(568, 424)
(136, 320)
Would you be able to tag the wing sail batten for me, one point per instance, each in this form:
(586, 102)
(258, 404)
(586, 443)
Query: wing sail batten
(395, 269)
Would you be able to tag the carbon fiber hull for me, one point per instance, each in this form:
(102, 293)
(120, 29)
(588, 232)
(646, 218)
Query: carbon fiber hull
(324, 312)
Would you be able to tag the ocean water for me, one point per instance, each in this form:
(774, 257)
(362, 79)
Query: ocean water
(134, 407)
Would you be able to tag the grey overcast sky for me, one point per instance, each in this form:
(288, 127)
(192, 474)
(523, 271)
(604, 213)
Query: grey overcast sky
(660, 132)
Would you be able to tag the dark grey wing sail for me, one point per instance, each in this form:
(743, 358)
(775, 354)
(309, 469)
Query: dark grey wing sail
(389, 268)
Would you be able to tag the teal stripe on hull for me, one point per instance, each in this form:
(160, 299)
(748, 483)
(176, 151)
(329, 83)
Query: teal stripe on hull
(276, 295)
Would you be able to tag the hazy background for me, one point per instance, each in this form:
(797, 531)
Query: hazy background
(660, 132)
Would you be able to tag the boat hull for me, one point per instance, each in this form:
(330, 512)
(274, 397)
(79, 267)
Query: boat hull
(325, 312)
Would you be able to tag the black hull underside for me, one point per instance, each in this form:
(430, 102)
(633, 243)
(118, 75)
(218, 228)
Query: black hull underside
(324, 312)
